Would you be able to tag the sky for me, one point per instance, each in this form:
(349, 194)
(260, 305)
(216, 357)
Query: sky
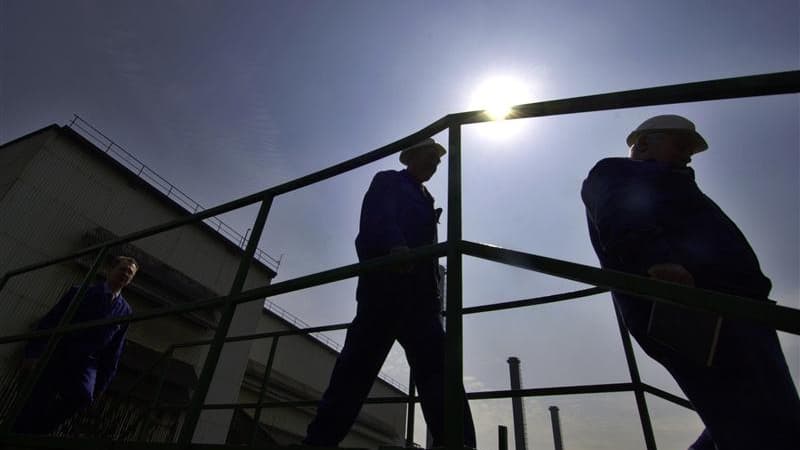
(228, 98)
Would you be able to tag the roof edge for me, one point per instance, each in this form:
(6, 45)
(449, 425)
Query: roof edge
(51, 127)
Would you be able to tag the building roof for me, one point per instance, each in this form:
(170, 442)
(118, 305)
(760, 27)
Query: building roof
(139, 182)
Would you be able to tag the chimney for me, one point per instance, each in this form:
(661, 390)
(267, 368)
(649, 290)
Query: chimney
(520, 434)
(559, 445)
(502, 438)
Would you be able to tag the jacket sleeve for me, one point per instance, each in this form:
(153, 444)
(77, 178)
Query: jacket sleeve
(108, 361)
(628, 204)
(35, 347)
(380, 218)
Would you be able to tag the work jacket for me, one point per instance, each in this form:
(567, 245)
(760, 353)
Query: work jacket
(642, 213)
(398, 211)
(85, 359)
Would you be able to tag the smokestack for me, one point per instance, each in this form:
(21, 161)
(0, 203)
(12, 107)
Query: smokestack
(502, 438)
(520, 434)
(559, 445)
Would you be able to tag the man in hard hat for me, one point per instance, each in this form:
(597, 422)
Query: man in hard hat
(399, 303)
(648, 217)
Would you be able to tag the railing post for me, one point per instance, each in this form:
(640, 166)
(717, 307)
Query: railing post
(52, 342)
(263, 391)
(161, 378)
(638, 390)
(228, 310)
(157, 395)
(410, 410)
(454, 392)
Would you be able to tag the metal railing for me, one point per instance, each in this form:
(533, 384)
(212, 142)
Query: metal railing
(774, 316)
(323, 338)
(127, 159)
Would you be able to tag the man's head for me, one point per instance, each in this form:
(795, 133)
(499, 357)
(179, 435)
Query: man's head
(121, 272)
(422, 159)
(668, 138)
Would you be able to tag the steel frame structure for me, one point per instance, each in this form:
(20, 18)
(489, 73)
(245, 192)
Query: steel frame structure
(775, 316)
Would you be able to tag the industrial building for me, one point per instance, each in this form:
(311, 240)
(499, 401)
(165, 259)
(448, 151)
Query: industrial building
(64, 188)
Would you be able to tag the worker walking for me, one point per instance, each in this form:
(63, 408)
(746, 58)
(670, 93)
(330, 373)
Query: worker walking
(648, 217)
(398, 303)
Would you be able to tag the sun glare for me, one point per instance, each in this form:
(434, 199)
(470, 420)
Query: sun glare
(497, 95)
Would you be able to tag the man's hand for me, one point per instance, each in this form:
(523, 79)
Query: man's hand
(674, 273)
(402, 268)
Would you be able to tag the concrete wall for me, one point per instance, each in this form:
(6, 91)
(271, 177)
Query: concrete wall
(15, 157)
(65, 190)
(301, 371)
(55, 187)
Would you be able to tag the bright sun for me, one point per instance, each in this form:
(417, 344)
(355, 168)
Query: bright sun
(498, 94)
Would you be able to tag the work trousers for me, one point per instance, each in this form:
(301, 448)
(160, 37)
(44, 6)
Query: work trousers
(52, 402)
(747, 398)
(369, 339)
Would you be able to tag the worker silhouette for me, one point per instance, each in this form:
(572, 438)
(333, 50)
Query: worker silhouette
(398, 303)
(648, 217)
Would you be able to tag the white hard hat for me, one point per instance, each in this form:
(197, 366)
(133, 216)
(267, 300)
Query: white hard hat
(425, 144)
(667, 123)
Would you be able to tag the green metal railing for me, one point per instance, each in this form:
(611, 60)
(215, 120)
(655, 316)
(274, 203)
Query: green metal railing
(777, 317)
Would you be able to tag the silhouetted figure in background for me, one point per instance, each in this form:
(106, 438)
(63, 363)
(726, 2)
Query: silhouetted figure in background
(400, 303)
(84, 362)
(648, 217)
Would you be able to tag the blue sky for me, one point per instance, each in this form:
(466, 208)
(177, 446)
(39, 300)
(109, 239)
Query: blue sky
(227, 98)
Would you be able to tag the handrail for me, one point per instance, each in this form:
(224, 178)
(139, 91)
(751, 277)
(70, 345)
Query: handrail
(723, 304)
(478, 395)
(323, 338)
(720, 89)
(768, 84)
(533, 301)
(775, 316)
(317, 279)
(304, 328)
(780, 317)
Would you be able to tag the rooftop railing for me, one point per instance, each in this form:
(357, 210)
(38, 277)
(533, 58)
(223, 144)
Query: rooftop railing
(127, 159)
